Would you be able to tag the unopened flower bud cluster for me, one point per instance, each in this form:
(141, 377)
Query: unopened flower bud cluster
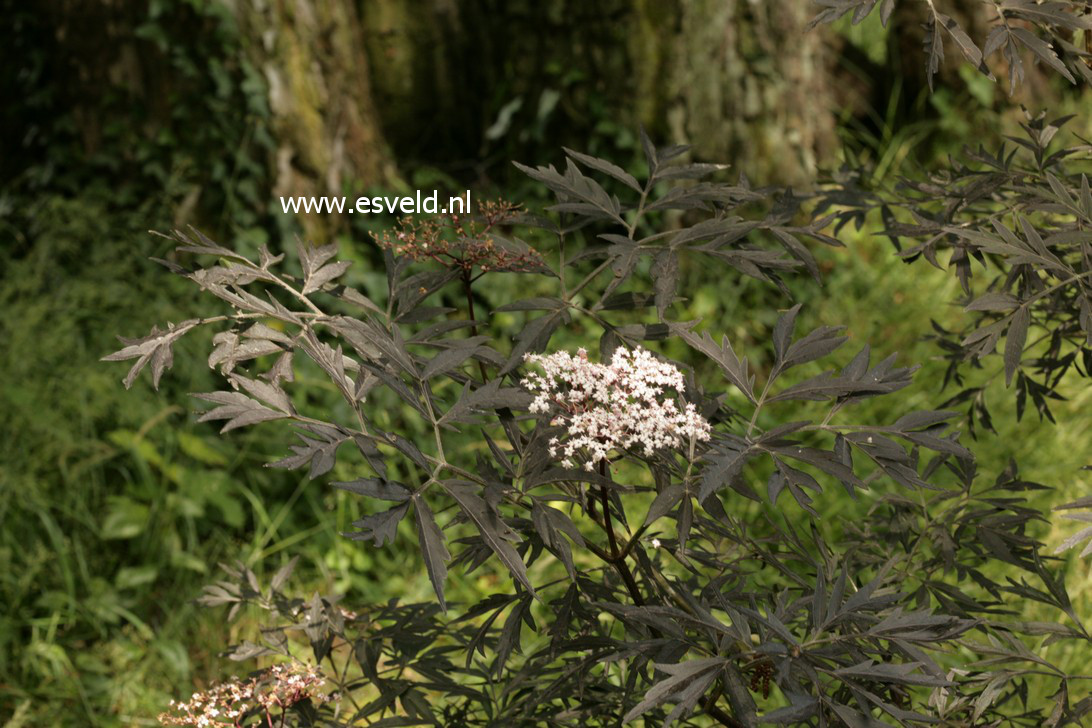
(462, 241)
(226, 704)
(611, 407)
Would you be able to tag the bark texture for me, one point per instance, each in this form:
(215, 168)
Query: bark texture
(742, 82)
(739, 80)
(326, 127)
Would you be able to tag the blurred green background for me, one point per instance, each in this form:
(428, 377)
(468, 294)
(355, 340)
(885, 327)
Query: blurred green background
(125, 117)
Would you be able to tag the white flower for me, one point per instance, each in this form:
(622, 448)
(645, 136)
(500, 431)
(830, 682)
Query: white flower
(280, 687)
(609, 407)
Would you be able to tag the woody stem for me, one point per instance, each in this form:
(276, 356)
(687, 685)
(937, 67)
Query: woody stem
(616, 558)
(470, 315)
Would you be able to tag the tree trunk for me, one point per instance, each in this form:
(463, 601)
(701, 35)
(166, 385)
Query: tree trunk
(326, 127)
(741, 82)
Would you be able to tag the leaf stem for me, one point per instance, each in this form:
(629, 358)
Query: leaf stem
(1051, 289)
(470, 314)
(640, 209)
(760, 402)
(709, 705)
(587, 279)
(616, 558)
(298, 294)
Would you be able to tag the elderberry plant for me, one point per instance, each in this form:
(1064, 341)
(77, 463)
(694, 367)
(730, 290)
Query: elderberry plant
(1054, 33)
(1014, 225)
(652, 579)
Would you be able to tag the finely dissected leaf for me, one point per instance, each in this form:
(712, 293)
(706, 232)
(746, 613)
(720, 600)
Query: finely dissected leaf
(966, 46)
(803, 707)
(702, 671)
(734, 367)
(650, 153)
(782, 332)
(887, 672)
(718, 231)
(1050, 12)
(154, 348)
(796, 249)
(576, 192)
(703, 196)
(624, 257)
(1080, 537)
(1014, 343)
(665, 500)
(248, 651)
(494, 531)
(324, 275)
(688, 171)
(627, 301)
(724, 469)
(369, 341)
(238, 409)
(1043, 50)
(376, 488)
(665, 274)
(1058, 18)
(606, 167)
(489, 396)
(381, 527)
(548, 528)
(827, 386)
(815, 345)
(934, 48)
(993, 301)
(283, 574)
(315, 271)
(534, 337)
(861, 10)
(433, 550)
(267, 392)
(409, 449)
(230, 350)
(450, 358)
(831, 463)
(541, 303)
(998, 36)
(510, 635)
(320, 452)
(409, 292)
(922, 419)
(282, 370)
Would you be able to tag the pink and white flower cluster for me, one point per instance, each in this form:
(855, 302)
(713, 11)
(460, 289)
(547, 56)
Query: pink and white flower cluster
(608, 407)
(226, 704)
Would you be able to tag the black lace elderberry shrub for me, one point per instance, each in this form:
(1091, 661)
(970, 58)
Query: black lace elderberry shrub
(651, 579)
(1053, 33)
(1014, 225)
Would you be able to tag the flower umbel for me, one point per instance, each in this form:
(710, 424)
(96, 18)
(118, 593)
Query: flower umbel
(616, 406)
(228, 703)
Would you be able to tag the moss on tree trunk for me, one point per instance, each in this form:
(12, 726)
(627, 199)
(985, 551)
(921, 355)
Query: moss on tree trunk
(740, 81)
(326, 127)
